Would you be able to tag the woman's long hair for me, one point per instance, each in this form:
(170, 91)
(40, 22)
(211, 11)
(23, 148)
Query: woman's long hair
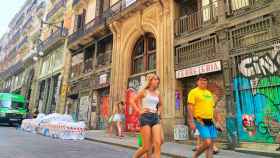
(148, 81)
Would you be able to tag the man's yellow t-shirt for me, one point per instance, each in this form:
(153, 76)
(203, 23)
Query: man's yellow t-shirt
(203, 103)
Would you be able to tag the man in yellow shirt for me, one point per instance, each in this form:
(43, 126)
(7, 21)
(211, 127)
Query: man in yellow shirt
(201, 104)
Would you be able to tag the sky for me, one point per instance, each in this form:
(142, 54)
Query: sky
(8, 9)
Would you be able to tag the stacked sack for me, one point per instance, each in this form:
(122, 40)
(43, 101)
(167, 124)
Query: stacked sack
(56, 126)
(31, 125)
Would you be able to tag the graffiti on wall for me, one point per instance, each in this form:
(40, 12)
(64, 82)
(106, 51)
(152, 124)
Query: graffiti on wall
(257, 97)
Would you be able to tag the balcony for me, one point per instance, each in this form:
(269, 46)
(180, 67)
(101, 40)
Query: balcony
(196, 52)
(103, 59)
(15, 37)
(54, 38)
(123, 7)
(76, 35)
(22, 43)
(197, 20)
(88, 65)
(40, 6)
(239, 7)
(90, 30)
(27, 23)
(251, 33)
(56, 7)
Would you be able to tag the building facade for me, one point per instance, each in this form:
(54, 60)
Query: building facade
(95, 52)
(235, 43)
(17, 62)
(90, 45)
(51, 62)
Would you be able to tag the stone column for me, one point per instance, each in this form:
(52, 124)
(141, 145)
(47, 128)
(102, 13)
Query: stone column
(65, 78)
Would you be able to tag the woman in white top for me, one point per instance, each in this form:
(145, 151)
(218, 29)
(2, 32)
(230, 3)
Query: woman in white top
(150, 128)
(118, 117)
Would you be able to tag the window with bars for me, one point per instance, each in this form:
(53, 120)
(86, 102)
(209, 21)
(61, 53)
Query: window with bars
(196, 52)
(144, 54)
(252, 32)
(238, 4)
(241, 6)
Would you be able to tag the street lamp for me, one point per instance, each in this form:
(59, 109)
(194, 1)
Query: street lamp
(35, 58)
(41, 53)
(39, 42)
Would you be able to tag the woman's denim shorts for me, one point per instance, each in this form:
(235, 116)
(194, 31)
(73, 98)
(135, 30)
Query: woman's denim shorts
(149, 119)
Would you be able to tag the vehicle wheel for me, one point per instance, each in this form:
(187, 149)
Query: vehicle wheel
(10, 124)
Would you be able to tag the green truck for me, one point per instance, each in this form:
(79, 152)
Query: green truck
(13, 108)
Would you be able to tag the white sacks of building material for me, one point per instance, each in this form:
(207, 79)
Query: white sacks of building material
(56, 126)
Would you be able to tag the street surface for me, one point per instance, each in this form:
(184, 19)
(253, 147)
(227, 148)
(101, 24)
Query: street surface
(19, 144)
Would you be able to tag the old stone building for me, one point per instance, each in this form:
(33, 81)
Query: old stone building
(17, 64)
(94, 53)
(142, 33)
(50, 64)
(90, 44)
(234, 42)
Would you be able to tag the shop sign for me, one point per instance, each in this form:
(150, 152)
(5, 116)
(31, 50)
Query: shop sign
(201, 69)
(129, 2)
(103, 79)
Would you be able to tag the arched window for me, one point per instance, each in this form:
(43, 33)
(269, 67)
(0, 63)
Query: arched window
(144, 54)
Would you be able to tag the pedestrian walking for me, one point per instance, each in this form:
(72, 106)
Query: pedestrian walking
(150, 128)
(201, 104)
(118, 117)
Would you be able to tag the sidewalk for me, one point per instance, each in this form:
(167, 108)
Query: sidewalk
(169, 148)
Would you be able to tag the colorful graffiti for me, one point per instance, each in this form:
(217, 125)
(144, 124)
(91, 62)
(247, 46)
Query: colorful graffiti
(257, 98)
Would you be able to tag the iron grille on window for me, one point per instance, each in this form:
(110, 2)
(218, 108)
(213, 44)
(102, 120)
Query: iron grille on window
(196, 52)
(238, 7)
(251, 33)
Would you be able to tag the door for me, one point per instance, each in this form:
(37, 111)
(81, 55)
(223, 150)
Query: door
(103, 109)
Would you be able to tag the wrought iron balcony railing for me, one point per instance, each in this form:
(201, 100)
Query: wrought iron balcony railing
(196, 52)
(196, 20)
(88, 28)
(56, 7)
(28, 22)
(119, 7)
(22, 43)
(251, 33)
(76, 35)
(238, 7)
(54, 38)
(88, 65)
